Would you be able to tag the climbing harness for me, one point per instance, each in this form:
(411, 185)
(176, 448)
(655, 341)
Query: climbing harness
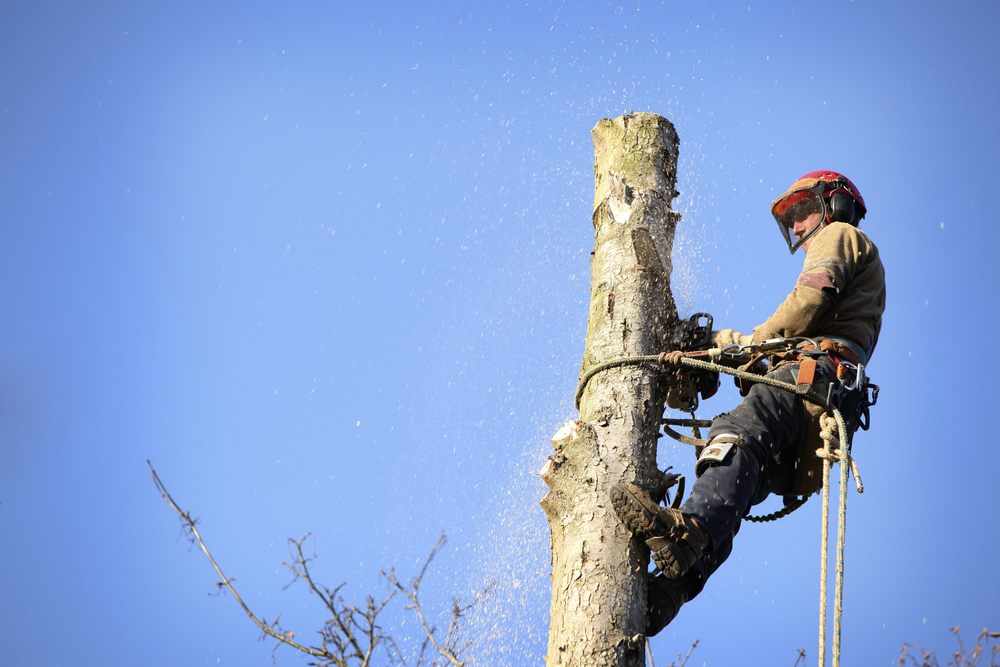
(832, 423)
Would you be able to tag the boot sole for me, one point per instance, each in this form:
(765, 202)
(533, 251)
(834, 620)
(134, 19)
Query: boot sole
(651, 523)
(637, 511)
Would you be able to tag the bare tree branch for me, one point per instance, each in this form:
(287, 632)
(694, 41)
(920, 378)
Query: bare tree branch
(911, 652)
(450, 650)
(690, 650)
(192, 528)
(352, 636)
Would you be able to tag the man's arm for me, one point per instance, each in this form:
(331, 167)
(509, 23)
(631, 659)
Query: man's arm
(829, 266)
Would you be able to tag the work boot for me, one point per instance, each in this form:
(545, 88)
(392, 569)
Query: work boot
(664, 598)
(675, 541)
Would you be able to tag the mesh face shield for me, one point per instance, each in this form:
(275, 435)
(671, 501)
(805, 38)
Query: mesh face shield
(798, 206)
(825, 192)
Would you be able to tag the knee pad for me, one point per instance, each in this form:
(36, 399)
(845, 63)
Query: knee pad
(716, 451)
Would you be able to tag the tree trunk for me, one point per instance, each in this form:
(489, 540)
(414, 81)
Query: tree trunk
(598, 611)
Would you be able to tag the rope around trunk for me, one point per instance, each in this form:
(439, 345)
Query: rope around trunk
(693, 363)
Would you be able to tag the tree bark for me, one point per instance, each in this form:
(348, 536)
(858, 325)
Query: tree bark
(598, 613)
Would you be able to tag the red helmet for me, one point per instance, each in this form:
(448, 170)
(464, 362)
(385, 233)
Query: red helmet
(825, 192)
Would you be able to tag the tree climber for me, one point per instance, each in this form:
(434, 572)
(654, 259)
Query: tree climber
(767, 444)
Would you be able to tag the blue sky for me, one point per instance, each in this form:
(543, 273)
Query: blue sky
(326, 266)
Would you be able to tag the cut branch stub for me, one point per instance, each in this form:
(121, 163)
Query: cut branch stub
(598, 571)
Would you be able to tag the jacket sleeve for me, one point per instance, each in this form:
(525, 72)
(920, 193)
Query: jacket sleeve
(828, 268)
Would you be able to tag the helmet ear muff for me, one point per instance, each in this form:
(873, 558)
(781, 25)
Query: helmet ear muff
(841, 208)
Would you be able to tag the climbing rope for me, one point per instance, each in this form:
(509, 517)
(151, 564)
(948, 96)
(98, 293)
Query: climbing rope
(614, 363)
(827, 435)
(828, 422)
(694, 363)
(842, 455)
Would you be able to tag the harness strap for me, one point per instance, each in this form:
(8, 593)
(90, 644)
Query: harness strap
(807, 375)
(837, 347)
(687, 440)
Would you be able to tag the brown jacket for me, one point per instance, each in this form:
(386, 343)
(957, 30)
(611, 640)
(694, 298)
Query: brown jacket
(840, 292)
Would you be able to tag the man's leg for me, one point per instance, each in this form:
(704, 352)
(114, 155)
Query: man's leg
(745, 442)
(751, 439)
(690, 545)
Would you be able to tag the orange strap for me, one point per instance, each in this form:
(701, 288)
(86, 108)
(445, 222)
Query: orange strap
(836, 348)
(807, 373)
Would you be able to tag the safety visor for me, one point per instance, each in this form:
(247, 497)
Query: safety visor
(798, 204)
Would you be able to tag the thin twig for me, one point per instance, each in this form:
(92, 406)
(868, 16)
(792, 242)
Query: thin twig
(343, 622)
(352, 634)
(689, 653)
(448, 650)
(190, 525)
(959, 658)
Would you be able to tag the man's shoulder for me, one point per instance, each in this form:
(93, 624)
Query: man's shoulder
(842, 237)
(844, 229)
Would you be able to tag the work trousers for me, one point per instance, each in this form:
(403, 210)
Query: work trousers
(768, 423)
